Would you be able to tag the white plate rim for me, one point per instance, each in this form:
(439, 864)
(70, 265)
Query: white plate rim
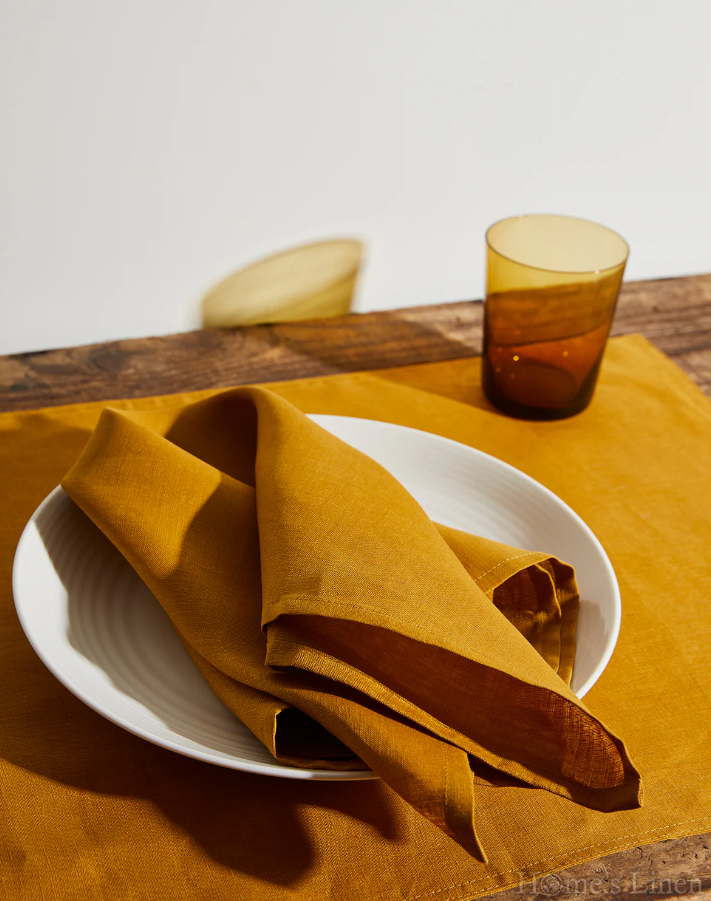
(277, 769)
(534, 484)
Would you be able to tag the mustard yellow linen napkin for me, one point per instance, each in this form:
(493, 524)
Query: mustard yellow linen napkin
(337, 621)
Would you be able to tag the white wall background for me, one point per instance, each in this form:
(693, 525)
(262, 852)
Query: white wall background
(149, 147)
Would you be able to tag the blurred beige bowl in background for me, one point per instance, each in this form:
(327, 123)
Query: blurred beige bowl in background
(307, 282)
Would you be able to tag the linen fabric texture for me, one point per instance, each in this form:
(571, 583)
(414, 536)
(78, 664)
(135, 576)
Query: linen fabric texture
(90, 810)
(247, 514)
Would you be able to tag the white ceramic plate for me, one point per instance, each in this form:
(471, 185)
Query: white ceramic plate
(103, 634)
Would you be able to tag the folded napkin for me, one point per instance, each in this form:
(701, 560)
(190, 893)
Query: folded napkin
(337, 621)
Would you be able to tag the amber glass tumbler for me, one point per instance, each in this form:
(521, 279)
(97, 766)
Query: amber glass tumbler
(552, 286)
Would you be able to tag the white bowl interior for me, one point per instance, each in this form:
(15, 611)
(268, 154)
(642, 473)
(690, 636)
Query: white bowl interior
(102, 633)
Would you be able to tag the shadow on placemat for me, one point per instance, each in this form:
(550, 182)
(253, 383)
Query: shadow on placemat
(240, 820)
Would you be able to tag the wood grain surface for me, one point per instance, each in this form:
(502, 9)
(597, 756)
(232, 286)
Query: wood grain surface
(675, 314)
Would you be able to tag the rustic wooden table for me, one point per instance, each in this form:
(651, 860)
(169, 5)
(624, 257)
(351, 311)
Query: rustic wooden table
(675, 314)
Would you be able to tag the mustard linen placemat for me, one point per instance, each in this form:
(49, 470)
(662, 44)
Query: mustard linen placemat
(301, 576)
(91, 811)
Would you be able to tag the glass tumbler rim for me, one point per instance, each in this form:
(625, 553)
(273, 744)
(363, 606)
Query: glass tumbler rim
(516, 262)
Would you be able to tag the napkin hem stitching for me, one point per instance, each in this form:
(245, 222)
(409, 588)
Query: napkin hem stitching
(507, 560)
